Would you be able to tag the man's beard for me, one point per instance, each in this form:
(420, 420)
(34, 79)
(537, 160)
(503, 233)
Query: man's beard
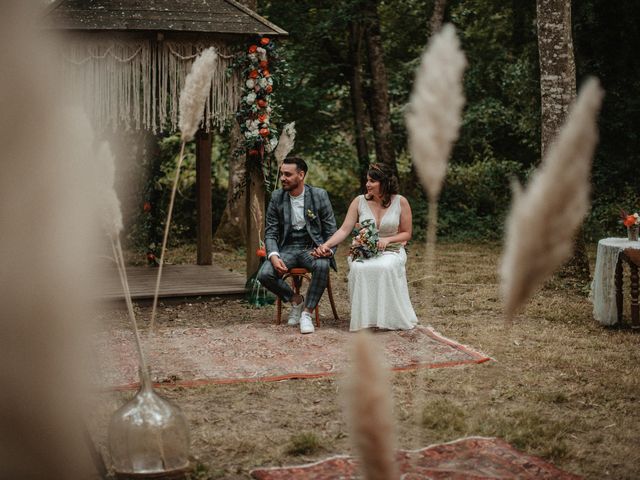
(290, 186)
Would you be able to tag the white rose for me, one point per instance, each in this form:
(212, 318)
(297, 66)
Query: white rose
(251, 98)
(248, 134)
(253, 57)
(268, 109)
(263, 82)
(635, 215)
(254, 125)
(270, 81)
(251, 83)
(262, 53)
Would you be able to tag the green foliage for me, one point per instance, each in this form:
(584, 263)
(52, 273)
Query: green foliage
(475, 199)
(147, 224)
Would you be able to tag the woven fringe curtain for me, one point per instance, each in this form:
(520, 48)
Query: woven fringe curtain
(137, 83)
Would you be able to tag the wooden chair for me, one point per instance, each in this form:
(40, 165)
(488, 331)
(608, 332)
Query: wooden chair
(297, 275)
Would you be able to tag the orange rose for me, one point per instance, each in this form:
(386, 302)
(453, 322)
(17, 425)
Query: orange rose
(261, 252)
(264, 64)
(630, 220)
(146, 207)
(262, 103)
(263, 118)
(264, 132)
(266, 74)
(253, 74)
(264, 41)
(253, 48)
(269, 89)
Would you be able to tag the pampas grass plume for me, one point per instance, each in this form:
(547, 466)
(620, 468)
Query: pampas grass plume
(109, 203)
(369, 411)
(435, 108)
(285, 142)
(195, 93)
(544, 219)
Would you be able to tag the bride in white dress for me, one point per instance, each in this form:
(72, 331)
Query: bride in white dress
(378, 286)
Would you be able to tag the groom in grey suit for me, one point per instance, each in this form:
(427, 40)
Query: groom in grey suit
(299, 219)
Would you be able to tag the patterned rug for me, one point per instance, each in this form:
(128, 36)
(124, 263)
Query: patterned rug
(473, 458)
(250, 352)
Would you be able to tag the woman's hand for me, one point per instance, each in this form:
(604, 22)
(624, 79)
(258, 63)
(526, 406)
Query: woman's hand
(382, 244)
(322, 251)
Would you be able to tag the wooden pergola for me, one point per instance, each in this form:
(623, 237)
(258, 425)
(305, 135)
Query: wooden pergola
(127, 60)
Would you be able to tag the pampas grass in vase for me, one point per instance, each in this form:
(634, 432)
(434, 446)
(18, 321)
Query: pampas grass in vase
(192, 100)
(369, 410)
(544, 218)
(147, 435)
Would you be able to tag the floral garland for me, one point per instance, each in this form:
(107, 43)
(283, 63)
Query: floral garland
(258, 63)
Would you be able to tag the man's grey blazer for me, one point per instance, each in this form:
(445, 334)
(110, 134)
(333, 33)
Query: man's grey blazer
(318, 215)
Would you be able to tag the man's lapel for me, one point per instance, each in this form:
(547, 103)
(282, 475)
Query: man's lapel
(308, 207)
(286, 210)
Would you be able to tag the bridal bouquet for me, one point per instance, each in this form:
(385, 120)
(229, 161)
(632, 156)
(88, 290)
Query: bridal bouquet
(365, 241)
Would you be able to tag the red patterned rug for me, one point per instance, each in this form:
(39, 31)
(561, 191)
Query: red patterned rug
(473, 458)
(250, 352)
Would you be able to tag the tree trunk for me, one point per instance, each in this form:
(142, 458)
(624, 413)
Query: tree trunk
(379, 99)
(558, 89)
(435, 23)
(233, 224)
(357, 102)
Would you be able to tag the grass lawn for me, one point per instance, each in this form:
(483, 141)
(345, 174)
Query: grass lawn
(560, 386)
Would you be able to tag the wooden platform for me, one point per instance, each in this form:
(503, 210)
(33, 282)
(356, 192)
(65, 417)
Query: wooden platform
(177, 281)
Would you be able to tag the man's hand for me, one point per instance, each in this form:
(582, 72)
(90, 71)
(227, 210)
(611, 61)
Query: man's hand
(321, 252)
(278, 265)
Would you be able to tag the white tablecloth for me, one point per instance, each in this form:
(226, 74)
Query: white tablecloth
(603, 287)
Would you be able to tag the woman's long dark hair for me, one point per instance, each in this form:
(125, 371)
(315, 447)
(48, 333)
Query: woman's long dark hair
(383, 173)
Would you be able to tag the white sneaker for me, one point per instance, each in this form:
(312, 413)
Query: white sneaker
(306, 324)
(294, 314)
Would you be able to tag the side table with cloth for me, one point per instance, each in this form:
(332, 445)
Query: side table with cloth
(606, 288)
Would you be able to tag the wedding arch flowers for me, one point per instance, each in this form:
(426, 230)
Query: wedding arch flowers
(258, 63)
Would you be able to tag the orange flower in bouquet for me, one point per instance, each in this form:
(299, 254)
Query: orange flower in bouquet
(629, 219)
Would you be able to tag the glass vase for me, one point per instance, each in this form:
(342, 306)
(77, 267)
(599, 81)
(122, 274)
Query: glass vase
(632, 233)
(149, 437)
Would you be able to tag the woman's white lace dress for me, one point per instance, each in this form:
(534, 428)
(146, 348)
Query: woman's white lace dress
(378, 286)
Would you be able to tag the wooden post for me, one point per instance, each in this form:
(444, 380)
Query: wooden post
(203, 197)
(255, 195)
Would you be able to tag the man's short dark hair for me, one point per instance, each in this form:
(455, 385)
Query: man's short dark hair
(299, 163)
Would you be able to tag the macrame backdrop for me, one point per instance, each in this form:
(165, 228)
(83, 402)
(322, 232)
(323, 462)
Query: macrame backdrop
(136, 83)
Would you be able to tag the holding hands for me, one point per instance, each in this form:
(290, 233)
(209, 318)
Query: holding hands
(322, 251)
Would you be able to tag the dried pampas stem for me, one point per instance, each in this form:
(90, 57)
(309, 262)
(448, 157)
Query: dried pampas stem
(195, 93)
(192, 98)
(285, 142)
(434, 118)
(543, 220)
(369, 411)
(285, 145)
(167, 224)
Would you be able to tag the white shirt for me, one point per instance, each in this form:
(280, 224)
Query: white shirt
(298, 221)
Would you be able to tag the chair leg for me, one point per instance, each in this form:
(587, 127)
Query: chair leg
(333, 303)
(278, 311)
